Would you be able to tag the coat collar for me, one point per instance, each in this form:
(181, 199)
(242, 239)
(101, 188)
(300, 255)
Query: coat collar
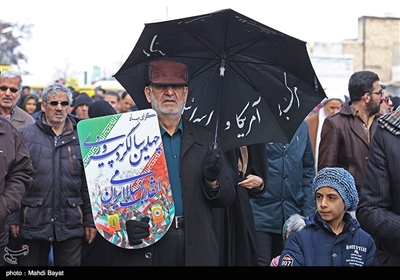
(355, 124)
(350, 224)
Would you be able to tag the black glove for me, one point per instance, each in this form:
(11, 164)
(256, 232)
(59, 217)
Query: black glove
(137, 230)
(212, 163)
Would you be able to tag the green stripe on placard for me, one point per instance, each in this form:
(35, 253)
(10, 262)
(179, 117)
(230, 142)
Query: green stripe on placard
(98, 129)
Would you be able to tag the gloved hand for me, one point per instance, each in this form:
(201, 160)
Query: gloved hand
(137, 230)
(212, 164)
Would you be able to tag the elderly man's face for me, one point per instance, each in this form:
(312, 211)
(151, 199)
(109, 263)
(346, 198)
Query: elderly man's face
(56, 113)
(386, 103)
(8, 98)
(332, 106)
(167, 99)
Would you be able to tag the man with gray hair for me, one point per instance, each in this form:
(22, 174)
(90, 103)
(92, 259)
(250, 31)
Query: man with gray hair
(56, 210)
(10, 93)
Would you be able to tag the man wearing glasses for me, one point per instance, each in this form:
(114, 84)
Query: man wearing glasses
(346, 136)
(10, 92)
(387, 104)
(56, 210)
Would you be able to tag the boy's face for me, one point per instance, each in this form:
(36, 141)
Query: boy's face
(330, 204)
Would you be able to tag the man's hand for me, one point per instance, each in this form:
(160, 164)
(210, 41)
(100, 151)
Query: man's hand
(90, 233)
(137, 230)
(212, 164)
(14, 230)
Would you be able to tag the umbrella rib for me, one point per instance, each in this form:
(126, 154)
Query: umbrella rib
(228, 55)
(219, 57)
(243, 74)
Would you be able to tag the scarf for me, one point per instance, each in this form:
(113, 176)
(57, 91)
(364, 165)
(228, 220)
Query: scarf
(391, 122)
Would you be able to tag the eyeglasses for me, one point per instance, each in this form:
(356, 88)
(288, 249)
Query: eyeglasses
(12, 89)
(378, 92)
(55, 103)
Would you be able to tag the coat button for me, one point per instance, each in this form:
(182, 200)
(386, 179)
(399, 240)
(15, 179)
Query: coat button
(147, 255)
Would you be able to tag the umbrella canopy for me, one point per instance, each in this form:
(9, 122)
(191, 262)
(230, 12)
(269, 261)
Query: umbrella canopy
(248, 82)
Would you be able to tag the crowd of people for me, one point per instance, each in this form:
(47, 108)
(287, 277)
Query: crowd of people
(326, 198)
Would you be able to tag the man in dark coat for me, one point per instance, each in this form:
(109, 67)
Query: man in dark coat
(379, 209)
(56, 210)
(15, 177)
(199, 176)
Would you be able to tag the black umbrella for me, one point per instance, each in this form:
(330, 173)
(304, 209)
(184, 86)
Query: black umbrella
(248, 82)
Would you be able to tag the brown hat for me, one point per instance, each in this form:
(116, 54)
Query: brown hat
(167, 72)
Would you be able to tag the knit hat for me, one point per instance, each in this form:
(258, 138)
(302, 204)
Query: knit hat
(340, 180)
(81, 99)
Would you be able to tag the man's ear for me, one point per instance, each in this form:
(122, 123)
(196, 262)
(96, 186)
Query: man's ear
(366, 97)
(147, 93)
(186, 93)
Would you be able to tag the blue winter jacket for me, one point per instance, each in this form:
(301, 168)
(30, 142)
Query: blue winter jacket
(290, 175)
(318, 245)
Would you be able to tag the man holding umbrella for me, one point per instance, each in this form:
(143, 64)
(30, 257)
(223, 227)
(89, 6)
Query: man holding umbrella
(199, 176)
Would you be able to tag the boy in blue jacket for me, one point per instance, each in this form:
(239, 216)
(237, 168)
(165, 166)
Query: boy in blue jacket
(331, 236)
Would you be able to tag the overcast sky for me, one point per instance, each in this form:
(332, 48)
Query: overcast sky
(83, 33)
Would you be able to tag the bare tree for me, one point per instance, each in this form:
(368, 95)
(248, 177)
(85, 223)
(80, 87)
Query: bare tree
(11, 37)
